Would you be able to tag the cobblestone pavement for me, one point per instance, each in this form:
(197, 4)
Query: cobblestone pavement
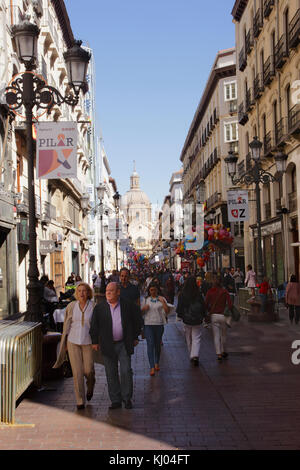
(250, 401)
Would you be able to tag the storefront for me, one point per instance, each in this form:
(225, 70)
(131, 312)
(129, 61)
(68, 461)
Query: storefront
(273, 251)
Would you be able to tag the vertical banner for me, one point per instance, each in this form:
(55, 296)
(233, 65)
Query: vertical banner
(238, 206)
(194, 235)
(56, 150)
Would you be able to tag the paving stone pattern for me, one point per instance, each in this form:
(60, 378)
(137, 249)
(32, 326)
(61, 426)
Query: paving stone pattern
(250, 401)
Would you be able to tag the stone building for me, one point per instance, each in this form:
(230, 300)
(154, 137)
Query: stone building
(62, 243)
(268, 70)
(213, 132)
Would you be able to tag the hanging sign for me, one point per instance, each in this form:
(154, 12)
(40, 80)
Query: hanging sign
(56, 150)
(238, 206)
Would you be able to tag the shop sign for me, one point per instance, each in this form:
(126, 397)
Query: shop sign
(269, 229)
(47, 246)
(238, 206)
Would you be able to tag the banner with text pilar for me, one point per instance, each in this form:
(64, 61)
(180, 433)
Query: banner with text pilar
(56, 150)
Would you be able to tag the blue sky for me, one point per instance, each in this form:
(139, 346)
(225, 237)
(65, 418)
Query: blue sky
(153, 58)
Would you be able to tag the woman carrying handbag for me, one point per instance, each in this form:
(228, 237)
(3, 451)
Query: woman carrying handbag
(76, 341)
(216, 300)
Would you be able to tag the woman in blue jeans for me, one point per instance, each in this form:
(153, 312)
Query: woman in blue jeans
(155, 310)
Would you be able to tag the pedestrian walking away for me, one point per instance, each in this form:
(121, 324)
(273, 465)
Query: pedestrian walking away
(191, 309)
(216, 299)
(292, 299)
(155, 310)
(115, 327)
(76, 340)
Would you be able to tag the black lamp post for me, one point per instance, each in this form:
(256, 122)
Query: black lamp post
(101, 189)
(117, 207)
(256, 175)
(32, 91)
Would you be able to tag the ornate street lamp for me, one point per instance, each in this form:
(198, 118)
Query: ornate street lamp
(117, 207)
(84, 202)
(31, 91)
(101, 190)
(256, 175)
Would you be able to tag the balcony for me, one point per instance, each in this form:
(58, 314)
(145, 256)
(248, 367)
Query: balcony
(294, 120)
(249, 42)
(242, 60)
(242, 115)
(23, 204)
(241, 169)
(249, 101)
(213, 200)
(257, 23)
(269, 70)
(216, 116)
(294, 31)
(268, 144)
(258, 87)
(232, 106)
(267, 210)
(278, 205)
(216, 157)
(248, 161)
(280, 132)
(268, 5)
(292, 201)
(281, 52)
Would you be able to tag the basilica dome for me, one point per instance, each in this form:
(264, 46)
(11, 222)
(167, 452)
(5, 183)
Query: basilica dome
(135, 196)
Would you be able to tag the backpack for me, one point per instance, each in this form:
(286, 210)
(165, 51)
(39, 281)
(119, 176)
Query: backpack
(194, 313)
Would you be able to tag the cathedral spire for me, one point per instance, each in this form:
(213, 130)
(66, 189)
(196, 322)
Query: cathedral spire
(134, 178)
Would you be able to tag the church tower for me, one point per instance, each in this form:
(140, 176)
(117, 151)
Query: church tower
(137, 208)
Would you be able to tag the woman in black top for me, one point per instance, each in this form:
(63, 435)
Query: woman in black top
(191, 309)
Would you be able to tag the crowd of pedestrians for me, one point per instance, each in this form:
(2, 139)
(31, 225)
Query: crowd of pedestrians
(105, 322)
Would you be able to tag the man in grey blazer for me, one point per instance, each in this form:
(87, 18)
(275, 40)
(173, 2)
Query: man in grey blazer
(115, 327)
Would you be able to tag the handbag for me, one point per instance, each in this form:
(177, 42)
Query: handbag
(66, 367)
(234, 313)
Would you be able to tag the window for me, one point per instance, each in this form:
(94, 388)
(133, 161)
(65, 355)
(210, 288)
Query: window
(231, 132)
(230, 91)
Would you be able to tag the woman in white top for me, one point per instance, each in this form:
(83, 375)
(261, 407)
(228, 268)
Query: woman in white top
(250, 280)
(155, 310)
(77, 341)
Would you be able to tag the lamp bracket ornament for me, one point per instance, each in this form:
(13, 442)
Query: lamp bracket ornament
(44, 96)
(256, 176)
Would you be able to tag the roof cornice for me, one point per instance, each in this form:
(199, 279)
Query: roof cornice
(238, 9)
(64, 21)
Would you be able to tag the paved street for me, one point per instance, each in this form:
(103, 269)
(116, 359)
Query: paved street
(251, 401)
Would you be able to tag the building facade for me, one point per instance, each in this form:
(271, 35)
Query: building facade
(268, 70)
(212, 134)
(62, 229)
